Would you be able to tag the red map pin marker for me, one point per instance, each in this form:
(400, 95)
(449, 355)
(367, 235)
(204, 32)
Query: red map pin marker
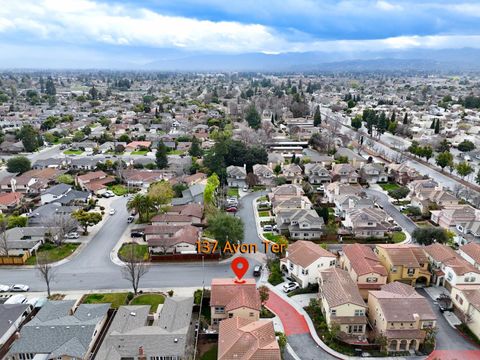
(239, 266)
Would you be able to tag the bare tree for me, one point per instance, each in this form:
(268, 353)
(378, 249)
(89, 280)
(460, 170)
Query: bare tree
(59, 225)
(45, 270)
(3, 237)
(134, 268)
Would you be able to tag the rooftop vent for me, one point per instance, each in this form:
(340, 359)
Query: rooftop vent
(175, 340)
(133, 313)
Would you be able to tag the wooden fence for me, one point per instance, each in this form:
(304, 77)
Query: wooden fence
(14, 260)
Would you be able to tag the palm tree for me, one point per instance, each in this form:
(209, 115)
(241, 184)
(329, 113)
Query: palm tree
(135, 203)
(148, 206)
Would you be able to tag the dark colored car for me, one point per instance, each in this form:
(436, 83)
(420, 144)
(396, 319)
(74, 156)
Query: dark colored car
(257, 270)
(231, 209)
(136, 234)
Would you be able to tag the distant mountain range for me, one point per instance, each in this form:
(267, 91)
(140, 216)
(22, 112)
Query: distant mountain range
(423, 60)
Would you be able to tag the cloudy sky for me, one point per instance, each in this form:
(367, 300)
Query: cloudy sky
(90, 33)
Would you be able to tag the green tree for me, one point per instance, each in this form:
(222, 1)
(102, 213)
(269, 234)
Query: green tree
(65, 179)
(210, 189)
(87, 218)
(29, 137)
(405, 119)
(277, 169)
(466, 145)
(317, 117)
(18, 164)
(357, 122)
(16, 221)
(427, 235)
(399, 193)
(195, 149)
(464, 169)
(443, 146)
(179, 188)
(225, 227)
(50, 87)
(161, 192)
(161, 155)
(143, 205)
(253, 117)
(444, 159)
(78, 136)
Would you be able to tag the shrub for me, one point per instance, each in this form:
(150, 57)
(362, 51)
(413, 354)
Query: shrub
(129, 297)
(197, 296)
(170, 293)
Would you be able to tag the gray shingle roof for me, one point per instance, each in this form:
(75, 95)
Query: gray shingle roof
(58, 189)
(10, 312)
(54, 330)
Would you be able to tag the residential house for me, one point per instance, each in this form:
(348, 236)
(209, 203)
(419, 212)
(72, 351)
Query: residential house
(354, 159)
(132, 335)
(138, 145)
(337, 188)
(142, 178)
(426, 200)
(293, 173)
(59, 331)
(373, 173)
(399, 313)
(466, 305)
(264, 173)
(11, 318)
(345, 202)
(10, 200)
(317, 174)
(194, 194)
(317, 158)
(229, 299)
(236, 176)
(367, 222)
(193, 211)
(55, 163)
(300, 224)
(171, 219)
(172, 239)
(458, 216)
(95, 182)
(243, 339)
(342, 304)
(471, 253)
(294, 202)
(364, 267)
(402, 173)
(285, 192)
(83, 163)
(344, 173)
(449, 268)
(304, 260)
(32, 181)
(405, 263)
(26, 240)
(54, 193)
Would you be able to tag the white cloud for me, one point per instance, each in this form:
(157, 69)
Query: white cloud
(91, 22)
(386, 6)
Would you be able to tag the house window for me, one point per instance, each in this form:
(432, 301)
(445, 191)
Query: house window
(372, 280)
(252, 314)
(219, 310)
(291, 266)
(333, 312)
(359, 313)
(393, 269)
(449, 276)
(427, 324)
(332, 263)
(460, 300)
(470, 279)
(230, 315)
(304, 271)
(410, 271)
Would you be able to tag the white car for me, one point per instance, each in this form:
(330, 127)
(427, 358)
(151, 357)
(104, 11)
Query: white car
(4, 288)
(112, 212)
(19, 288)
(72, 235)
(290, 287)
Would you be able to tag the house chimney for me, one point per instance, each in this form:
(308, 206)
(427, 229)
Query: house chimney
(141, 354)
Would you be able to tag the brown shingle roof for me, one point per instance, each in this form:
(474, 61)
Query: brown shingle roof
(338, 288)
(244, 339)
(473, 250)
(363, 260)
(225, 292)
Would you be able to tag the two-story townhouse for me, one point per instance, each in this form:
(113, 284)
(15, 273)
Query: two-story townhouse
(354, 159)
(264, 173)
(229, 299)
(466, 305)
(471, 253)
(294, 202)
(457, 216)
(303, 261)
(342, 304)
(284, 192)
(344, 173)
(449, 268)
(293, 173)
(351, 201)
(402, 173)
(337, 188)
(366, 222)
(400, 314)
(364, 267)
(405, 263)
(236, 175)
(300, 224)
(373, 173)
(317, 174)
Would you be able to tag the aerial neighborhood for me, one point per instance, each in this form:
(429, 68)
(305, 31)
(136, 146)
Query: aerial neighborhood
(126, 198)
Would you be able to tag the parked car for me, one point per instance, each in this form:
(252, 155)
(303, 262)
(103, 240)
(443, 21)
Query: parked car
(290, 286)
(257, 270)
(136, 233)
(130, 219)
(108, 194)
(19, 288)
(267, 228)
(245, 188)
(232, 209)
(112, 212)
(72, 235)
(321, 188)
(4, 288)
(395, 228)
(264, 204)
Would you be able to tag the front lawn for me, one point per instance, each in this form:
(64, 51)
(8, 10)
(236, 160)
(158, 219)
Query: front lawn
(140, 251)
(116, 299)
(53, 252)
(139, 152)
(176, 152)
(264, 213)
(210, 354)
(73, 152)
(233, 191)
(149, 299)
(118, 189)
(398, 236)
(389, 186)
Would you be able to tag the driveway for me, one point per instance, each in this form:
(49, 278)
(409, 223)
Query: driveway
(448, 338)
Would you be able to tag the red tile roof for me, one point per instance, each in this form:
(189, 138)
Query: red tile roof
(225, 292)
